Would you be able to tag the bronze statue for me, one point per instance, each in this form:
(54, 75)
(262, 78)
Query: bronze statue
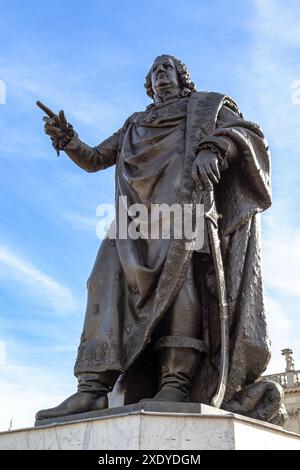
(153, 312)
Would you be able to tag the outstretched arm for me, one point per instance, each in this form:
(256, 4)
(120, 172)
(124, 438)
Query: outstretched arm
(96, 158)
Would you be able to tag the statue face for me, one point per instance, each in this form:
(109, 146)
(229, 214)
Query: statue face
(164, 74)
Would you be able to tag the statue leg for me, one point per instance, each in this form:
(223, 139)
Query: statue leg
(179, 349)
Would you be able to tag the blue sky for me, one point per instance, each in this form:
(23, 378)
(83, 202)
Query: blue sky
(90, 59)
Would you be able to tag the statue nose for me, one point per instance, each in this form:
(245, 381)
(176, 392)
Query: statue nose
(160, 68)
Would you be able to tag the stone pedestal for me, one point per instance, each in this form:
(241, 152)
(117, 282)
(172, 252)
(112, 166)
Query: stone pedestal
(152, 425)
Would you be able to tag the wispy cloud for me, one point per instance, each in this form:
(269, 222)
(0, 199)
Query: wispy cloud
(281, 268)
(74, 95)
(81, 222)
(36, 282)
(274, 57)
(282, 256)
(273, 67)
(280, 331)
(280, 20)
(25, 390)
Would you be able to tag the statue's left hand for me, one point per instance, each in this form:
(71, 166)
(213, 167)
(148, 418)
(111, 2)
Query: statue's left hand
(206, 168)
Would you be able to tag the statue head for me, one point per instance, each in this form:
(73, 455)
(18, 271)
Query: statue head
(168, 74)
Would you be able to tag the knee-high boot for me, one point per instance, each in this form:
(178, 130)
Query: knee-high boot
(178, 359)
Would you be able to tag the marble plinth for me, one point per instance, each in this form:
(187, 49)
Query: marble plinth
(152, 426)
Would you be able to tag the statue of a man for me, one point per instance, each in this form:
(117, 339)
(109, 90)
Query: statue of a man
(154, 302)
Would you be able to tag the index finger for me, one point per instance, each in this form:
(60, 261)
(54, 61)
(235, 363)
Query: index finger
(46, 110)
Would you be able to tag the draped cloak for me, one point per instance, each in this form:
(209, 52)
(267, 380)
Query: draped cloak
(134, 282)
